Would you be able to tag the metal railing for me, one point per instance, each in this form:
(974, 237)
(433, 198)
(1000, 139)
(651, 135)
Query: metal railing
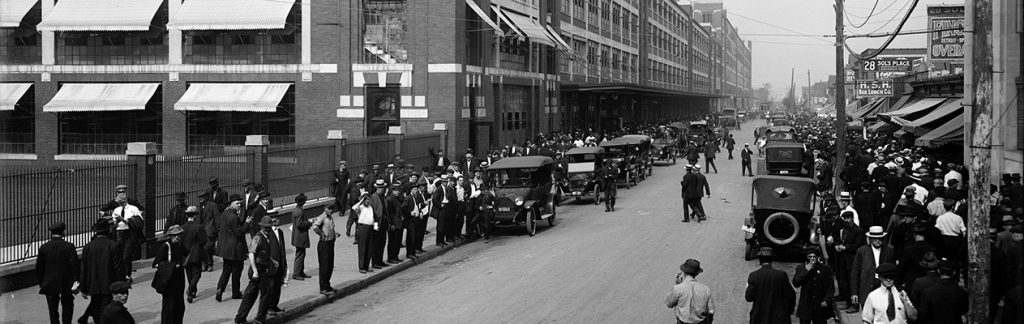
(415, 149)
(292, 171)
(192, 174)
(35, 200)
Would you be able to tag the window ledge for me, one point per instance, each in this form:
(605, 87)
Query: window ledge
(18, 156)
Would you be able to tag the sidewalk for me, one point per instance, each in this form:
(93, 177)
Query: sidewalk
(27, 306)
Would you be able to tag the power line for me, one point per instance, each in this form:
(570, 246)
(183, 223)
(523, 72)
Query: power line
(847, 13)
(910, 32)
(894, 15)
(887, 41)
(796, 33)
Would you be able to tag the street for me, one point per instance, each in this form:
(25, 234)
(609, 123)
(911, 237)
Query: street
(591, 267)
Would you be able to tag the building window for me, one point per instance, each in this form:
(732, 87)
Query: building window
(383, 109)
(275, 46)
(211, 131)
(20, 46)
(106, 132)
(17, 127)
(385, 23)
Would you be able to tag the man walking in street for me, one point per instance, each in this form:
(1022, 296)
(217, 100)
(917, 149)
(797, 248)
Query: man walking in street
(325, 228)
(769, 290)
(690, 300)
(846, 238)
(709, 157)
(745, 160)
(193, 238)
(209, 211)
(100, 268)
(730, 144)
(702, 185)
(865, 262)
(611, 177)
(231, 246)
(300, 236)
(688, 185)
(114, 311)
(57, 271)
(814, 278)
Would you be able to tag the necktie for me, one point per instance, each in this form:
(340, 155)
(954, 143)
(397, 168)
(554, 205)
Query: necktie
(891, 310)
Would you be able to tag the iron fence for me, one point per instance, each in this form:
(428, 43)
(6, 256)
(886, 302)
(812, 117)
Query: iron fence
(34, 200)
(192, 174)
(299, 170)
(365, 152)
(416, 149)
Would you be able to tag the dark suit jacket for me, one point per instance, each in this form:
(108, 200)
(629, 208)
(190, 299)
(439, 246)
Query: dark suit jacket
(910, 264)
(849, 236)
(257, 215)
(56, 266)
(100, 267)
(208, 213)
(868, 205)
(300, 229)
(219, 197)
(194, 238)
(340, 185)
(393, 212)
(862, 273)
(745, 155)
(435, 158)
(231, 236)
(470, 166)
(943, 303)
(249, 203)
(175, 216)
(815, 286)
(115, 312)
(772, 297)
(921, 284)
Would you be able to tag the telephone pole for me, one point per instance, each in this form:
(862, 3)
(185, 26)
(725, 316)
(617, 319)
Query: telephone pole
(979, 59)
(840, 98)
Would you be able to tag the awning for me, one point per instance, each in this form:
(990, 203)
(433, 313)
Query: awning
(883, 127)
(851, 108)
(951, 131)
(899, 103)
(79, 97)
(507, 21)
(915, 107)
(557, 38)
(937, 116)
(250, 97)
(231, 15)
(13, 11)
(483, 15)
(101, 15)
(528, 27)
(10, 93)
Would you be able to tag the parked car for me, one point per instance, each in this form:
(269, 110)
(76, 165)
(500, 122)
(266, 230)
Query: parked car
(584, 173)
(620, 152)
(524, 191)
(781, 214)
(784, 158)
(642, 145)
(780, 134)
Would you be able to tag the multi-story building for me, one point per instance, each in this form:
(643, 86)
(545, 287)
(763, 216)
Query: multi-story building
(731, 59)
(81, 78)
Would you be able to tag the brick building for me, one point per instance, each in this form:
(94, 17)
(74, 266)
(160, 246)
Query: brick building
(81, 78)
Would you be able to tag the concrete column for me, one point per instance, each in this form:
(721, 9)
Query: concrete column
(48, 41)
(173, 35)
(398, 132)
(257, 146)
(143, 155)
(338, 138)
(306, 31)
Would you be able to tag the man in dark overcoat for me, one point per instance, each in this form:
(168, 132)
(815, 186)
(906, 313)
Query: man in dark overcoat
(217, 195)
(340, 186)
(176, 214)
(172, 310)
(745, 160)
(846, 238)
(814, 278)
(300, 236)
(868, 202)
(231, 246)
(265, 254)
(193, 239)
(769, 290)
(57, 271)
(209, 211)
(862, 273)
(100, 268)
(688, 189)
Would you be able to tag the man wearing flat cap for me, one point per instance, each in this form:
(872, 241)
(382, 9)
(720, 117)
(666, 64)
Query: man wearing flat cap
(770, 292)
(57, 272)
(114, 311)
(888, 304)
(171, 285)
(266, 264)
(814, 278)
(867, 259)
(100, 268)
(442, 203)
(690, 300)
(208, 214)
(176, 214)
(231, 246)
(194, 239)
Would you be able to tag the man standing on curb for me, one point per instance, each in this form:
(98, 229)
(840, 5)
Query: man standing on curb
(57, 273)
(300, 236)
(324, 227)
(745, 160)
(232, 227)
(689, 299)
(770, 292)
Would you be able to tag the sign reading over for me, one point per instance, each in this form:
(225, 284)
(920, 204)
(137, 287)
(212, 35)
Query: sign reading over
(874, 88)
(946, 24)
(900, 64)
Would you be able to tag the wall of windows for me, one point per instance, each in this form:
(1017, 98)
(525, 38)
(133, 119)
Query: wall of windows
(17, 127)
(20, 45)
(115, 48)
(385, 23)
(277, 46)
(216, 128)
(109, 132)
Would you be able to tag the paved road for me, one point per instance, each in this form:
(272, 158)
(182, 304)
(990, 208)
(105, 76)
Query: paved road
(593, 267)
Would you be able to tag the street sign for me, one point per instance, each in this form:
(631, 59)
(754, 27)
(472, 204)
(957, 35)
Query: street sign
(873, 88)
(946, 40)
(900, 64)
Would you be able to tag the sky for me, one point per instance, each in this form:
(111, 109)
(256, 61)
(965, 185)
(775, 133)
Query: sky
(789, 34)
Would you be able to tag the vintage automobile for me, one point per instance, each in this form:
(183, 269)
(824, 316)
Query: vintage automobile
(699, 132)
(728, 119)
(780, 134)
(665, 149)
(784, 158)
(779, 119)
(781, 213)
(585, 171)
(643, 146)
(621, 152)
(524, 191)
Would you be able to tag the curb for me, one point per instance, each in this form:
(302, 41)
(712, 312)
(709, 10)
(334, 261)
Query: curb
(296, 309)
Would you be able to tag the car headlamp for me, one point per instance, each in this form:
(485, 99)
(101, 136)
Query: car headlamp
(519, 201)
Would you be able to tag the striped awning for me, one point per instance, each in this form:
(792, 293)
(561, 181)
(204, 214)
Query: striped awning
(231, 15)
(951, 131)
(84, 97)
(246, 97)
(101, 15)
(926, 123)
(10, 93)
(483, 15)
(13, 11)
(553, 34)
(528, 27)
(916, 107)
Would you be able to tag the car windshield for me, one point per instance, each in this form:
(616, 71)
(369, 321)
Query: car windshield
(506, 178)
(781, 136)
(577, 158)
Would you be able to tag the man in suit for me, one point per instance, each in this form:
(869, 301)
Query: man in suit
(300, 237)
(176, 214)
(610, 178)
(57, 272)
(745, 160)
(702, 186)
(868, 257)
(217, 195)
(769, 290)
(443, 201)
(208, 214)
(130, 230)
(379, 236)
(814, 278)
(440, 162)
(911, 265)
(259, 210)
(100, 268)
(846, 238)
(340, 186)
(355, 190)
(172, 287)
(887, 303)
(249, 198)
(284, 272)
(946, 301)
(868, 202)
(194, 239)
(687, 185)
(470, 163)
(398, 211)
(232, 227)
(114, 311)
(266, 257)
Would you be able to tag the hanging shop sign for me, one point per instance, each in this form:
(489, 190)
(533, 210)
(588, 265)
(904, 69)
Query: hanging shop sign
(873, 88)
(946, 37)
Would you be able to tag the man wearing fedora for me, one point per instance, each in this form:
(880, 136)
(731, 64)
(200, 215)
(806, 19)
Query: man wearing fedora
(442, 204)
(57, 271)
(194, 239)
(770, 292)
(100, 268)
(930, 264)
(232, 227)
(887, 304)
(867, 259)
(171, 286)
(814, 278)
(176, 214)
(266, 260)
(690, 300)
(911, 265)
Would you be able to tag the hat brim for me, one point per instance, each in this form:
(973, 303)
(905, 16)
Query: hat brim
(870, 235)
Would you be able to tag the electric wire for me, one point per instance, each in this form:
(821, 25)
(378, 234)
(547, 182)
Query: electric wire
(887, 41)
(866, 19)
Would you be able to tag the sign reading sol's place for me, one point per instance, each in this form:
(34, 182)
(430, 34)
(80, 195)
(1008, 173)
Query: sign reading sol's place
(900, 64)
(874, 88)
(946, 40)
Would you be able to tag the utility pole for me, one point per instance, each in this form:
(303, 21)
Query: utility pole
(808, 95)
(840, 98)
(979, 59)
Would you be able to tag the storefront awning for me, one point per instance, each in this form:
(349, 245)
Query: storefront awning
(483, 15)
(915, 107)
(229, 15)
(13, 11)
(528, 27)
(947, 109)
(558, 39)
(101, 15)
(951, 131)
(84, 97)
(249, 97)
(899, 103)
(10, 93)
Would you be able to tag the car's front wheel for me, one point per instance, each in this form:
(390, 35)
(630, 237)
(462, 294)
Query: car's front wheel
(531, 222)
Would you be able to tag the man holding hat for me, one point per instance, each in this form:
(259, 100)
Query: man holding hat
(233, 225)
(114, 311)
(171, 286)
(176, 214)
(887, 304)
(745, 160)
(57, 272)
(194, 239)
(769, 290)
(690, 300)
(814, 278)
(100, 268)
(867, 259)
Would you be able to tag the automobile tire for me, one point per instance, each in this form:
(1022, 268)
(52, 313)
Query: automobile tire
(748, 252)
(628, 179)
(551, 219)
(531, 222)
(597, 195)
(785, 217)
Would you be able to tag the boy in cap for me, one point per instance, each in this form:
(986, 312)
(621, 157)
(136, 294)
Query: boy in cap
(888, 304)
(690, 300)
(57, 273)
(114, 311)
